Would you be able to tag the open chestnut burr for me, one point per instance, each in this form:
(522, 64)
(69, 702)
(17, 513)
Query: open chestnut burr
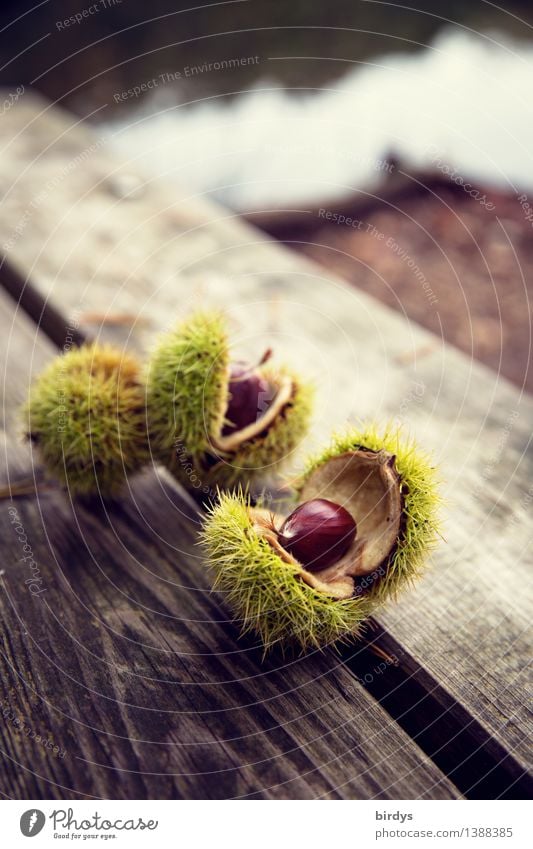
(215, 422)
(364, 523)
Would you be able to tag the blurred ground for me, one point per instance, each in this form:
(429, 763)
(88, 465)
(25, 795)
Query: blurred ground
(460, 269)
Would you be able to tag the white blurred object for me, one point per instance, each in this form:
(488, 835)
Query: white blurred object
(465, 101)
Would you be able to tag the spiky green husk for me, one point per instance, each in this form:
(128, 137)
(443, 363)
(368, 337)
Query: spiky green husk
(187, 399)
(187, 385)
(420, 525)
(264, 593)
(86, 416)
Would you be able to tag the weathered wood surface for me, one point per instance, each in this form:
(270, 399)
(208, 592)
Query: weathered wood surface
(125, 661)
(99, 239)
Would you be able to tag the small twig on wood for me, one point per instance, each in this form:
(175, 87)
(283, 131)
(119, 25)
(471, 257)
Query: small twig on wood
(26, 486)
(113, 319)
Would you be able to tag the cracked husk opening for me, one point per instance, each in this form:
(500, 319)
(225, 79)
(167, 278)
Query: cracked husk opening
(366, 484)
(284, 387)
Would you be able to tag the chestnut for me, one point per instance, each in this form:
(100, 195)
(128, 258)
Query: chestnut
(218, 423)
(249, 395)
(365, 522)
(318, 533)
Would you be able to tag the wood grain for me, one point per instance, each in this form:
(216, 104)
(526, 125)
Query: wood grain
(125, 662)
(105, 236)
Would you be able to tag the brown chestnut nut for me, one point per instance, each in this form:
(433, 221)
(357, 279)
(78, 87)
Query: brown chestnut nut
(249, 396)
(318, 533)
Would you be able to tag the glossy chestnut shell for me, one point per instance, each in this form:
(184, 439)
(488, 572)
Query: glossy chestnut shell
(249, 396)
(318, 533)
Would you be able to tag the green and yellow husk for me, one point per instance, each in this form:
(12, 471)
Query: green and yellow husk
(187, 381)
(263, 592)
(419, 489)
(86, 418)
(188, 387)
(266, 595)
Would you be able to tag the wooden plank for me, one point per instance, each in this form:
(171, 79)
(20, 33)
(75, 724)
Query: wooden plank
(156, 253)
(121, 657)
(23, 350)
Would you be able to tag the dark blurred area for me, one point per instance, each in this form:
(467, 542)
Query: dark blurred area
(118, 43)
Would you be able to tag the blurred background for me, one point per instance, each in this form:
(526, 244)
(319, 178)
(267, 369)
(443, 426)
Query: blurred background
(391, 143)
